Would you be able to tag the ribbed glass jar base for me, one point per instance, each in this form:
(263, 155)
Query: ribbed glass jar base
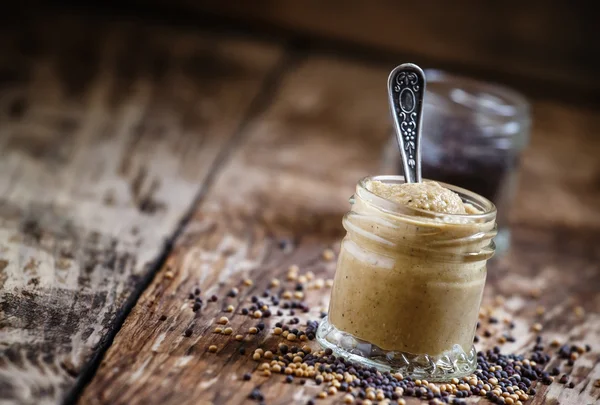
(454, 363)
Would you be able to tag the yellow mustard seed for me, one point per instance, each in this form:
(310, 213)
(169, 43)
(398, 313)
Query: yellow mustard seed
(328, 255)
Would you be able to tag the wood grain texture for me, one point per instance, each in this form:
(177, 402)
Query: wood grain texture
(107, 133)
(510, 38)
(289, 181)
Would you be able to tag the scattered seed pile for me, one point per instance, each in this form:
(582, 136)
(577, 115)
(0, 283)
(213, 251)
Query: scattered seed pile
(501, 378)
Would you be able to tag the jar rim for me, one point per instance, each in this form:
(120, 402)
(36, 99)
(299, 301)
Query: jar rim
(516, 103)
(483, 204)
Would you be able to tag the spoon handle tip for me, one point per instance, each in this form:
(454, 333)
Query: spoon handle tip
(406, 88)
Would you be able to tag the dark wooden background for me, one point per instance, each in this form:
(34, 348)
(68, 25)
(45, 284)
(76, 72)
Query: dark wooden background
(146, 148)
(544, 45)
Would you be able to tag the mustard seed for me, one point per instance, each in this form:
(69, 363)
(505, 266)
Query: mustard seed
(535, 293)
(223, 320)
(228, 331)
(253, 330)
(229, 308)
(212, 348)
(239, 337)
(328, 255)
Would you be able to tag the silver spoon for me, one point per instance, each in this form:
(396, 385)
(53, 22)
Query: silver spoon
(406, 87)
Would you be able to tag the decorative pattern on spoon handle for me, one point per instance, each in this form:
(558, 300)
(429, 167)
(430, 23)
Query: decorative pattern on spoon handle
(406, 88)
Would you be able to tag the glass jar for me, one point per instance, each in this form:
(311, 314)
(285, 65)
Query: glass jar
(473, 135)
(409, 284)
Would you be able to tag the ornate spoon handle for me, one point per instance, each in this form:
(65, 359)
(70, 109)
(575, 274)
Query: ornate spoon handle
(406, 87)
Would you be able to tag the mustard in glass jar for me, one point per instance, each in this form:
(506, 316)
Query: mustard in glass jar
(410, 278)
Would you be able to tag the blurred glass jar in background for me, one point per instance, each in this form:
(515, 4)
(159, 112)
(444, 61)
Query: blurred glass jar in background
(473, 135)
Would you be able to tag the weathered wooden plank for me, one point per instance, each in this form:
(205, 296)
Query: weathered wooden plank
(279, 202)
(289, 180)
(108, 132)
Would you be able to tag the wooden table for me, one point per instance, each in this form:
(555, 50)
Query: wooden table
(139, 161)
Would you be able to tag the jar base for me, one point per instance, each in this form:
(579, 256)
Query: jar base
(454, 363)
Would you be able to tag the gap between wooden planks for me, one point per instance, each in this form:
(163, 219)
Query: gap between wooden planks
(108, 132)
(290, 179)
